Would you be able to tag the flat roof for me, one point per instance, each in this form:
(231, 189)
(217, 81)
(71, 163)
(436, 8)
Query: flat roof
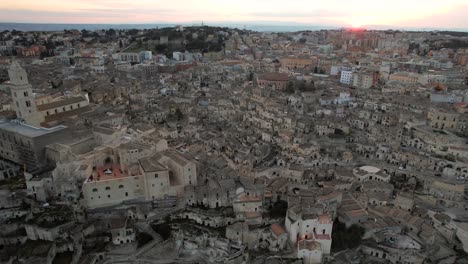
(27, 130)
(370, 169)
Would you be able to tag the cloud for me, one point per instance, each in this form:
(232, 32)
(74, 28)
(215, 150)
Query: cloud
(421, 13)
(310, 14)
(455, 18)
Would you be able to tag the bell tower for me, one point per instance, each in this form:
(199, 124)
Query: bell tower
(22, 94)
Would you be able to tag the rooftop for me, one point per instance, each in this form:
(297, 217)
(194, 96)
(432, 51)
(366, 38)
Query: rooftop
(277, 229)
(369, 169)
(151, 164)
(275, 77)
(309, 245)
(60, 103)
(27, 130)
(112, 171)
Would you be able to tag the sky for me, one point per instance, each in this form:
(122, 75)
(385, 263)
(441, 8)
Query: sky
(354, 13)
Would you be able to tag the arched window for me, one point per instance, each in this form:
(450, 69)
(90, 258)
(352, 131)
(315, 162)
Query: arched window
(121, 186)
(108, 188)
(95, 190)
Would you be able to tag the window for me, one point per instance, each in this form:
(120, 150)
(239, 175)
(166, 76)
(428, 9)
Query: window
(28, 104)
(78, 105)
(156, 175)
(63, 108)
(108, 188)
(108, 196)
(126, 193)
(95, 190)
(56, 111)
(26, 94)
(47, 113)
(71, 107)
(121, 186)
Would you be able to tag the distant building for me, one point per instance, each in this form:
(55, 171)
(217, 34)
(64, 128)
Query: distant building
(278, 80)
(40, 111)
(346, 77)
(363, 80)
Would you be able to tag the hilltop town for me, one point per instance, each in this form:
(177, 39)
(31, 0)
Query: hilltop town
(219, 145)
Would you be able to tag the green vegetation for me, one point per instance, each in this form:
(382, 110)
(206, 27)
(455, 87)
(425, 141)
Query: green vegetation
(346, 238)
(192, 39)
(301, 86)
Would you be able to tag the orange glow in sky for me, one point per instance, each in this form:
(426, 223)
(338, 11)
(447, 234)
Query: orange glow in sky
(355, 13)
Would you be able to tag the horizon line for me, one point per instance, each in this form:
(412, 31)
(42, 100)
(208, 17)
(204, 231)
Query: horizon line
(251, 23)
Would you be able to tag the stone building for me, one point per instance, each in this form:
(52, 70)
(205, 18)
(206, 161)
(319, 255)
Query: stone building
(25, 144)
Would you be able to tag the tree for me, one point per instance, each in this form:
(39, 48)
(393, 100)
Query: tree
(84, 33)
(110, 32)
(160, 48)
(346, 238)
(133, 32)
(251, 76)
(290, 88)
(179, 114)
(44, 54)
(302, 86)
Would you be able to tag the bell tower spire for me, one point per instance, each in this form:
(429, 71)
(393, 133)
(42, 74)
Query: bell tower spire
(22, 94)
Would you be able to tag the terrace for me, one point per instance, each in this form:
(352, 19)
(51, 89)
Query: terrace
(113, 171)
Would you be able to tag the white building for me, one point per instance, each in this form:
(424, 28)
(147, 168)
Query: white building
(302, 225)
(370, 173)
(346, 77)
(343, 98)
(309, 251)
(178, 56)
